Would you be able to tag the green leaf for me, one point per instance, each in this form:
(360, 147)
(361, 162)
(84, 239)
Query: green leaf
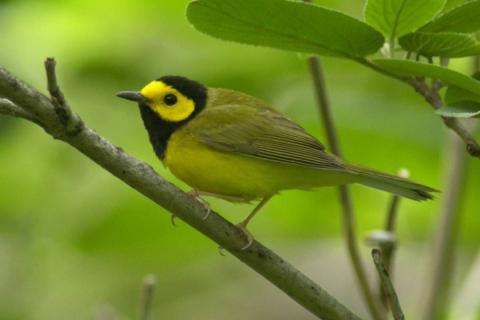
(454, 95)
(464, 109)
(395, 18)
(412, 68)
(452, 3)
(463, 18)
(444, 44)
(288, 25)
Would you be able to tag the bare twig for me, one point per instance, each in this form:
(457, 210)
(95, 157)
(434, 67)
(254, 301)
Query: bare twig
(388, 247)
(387, 285)
(345, 199)
(390, 223)
(67, 118)
(148, 291)
(141, 177)
(9, 108)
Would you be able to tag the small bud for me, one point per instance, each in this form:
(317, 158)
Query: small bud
(403, 173)
(380, 239)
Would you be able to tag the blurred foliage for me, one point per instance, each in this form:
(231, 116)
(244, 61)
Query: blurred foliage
(74, 241)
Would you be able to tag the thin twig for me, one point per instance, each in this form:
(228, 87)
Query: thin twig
(146, 302)
(388, 247)
(67, 118)
(9, 108)
(141, 177)
(434, 99)
(345, 199)
(390, 224)
(387, 285)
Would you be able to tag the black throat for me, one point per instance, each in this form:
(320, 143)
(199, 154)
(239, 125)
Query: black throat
(159, 130)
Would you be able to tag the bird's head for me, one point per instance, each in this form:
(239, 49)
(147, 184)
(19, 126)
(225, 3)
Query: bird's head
(172, 98)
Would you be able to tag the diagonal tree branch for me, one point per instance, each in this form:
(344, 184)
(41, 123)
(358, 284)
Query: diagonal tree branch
(141, 177)
(432, 96)
(387, 285)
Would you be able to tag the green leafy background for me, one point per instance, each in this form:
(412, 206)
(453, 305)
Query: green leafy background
(75, 242)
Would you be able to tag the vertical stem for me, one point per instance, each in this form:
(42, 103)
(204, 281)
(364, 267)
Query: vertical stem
(391, 46)
(388, 250)
(444, 244)
(148, 291)
(436, 306)
(345, 199)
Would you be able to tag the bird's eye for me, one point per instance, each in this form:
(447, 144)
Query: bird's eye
(170, 99)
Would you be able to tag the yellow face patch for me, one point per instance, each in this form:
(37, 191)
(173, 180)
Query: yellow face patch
(167, 102)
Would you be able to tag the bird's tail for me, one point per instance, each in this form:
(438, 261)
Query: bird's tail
(396, 185)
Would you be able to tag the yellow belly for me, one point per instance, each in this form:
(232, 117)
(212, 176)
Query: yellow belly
(235, 175)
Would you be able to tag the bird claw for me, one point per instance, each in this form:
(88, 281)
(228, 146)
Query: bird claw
(172, 220)
(205, 217)
(196, 194)
(249, 236)
(221, 251)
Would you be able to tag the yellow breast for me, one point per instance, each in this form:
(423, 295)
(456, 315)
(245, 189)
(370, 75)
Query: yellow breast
(235, 175)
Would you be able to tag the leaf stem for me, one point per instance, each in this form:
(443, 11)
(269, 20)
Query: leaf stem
(391, 46)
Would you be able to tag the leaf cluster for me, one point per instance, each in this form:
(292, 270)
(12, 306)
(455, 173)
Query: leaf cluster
(427, 28)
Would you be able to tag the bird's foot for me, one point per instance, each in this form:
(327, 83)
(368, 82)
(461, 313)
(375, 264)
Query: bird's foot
(172, 219)
(243, 227)
(221, 251)
(196, 194)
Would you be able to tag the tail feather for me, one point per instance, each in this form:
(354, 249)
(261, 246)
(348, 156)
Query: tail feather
(393, 184)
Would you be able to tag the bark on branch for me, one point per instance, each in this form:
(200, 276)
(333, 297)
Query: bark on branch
(387, 285)
(432, 96)
(67, 126)
(9, 108)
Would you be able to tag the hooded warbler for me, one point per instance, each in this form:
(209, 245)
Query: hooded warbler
(234, 146)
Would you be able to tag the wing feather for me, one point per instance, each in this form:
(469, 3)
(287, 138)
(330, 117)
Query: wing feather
(261, 132)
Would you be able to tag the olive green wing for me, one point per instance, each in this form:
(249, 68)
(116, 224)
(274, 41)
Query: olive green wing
(261, 132)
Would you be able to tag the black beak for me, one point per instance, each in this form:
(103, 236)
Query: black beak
(132, 95)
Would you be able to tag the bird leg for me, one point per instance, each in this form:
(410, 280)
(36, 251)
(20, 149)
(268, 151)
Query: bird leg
(243, 224)
(196, 194)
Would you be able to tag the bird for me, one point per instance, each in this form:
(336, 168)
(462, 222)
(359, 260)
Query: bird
(231, 145)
